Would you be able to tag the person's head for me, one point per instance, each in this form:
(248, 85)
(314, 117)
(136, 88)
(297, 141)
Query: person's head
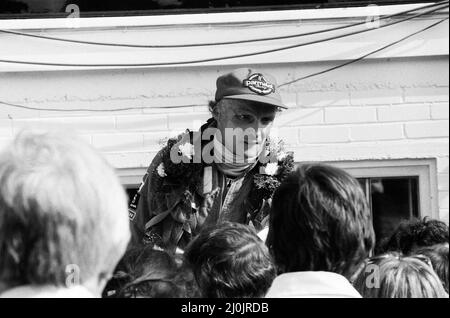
(246, 104)
(138, 262)
(392, 275)
(63, 213)
(320, 221)
(230, 261)
(413, 234)
(149, 273)
(438, 254)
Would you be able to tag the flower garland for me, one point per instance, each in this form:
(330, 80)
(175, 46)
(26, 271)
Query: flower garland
(183, 173)
(271, 174)
(187, 173)
(176, 187)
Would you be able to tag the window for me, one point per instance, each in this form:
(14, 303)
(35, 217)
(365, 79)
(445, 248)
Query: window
(391, 200)
(396, 190)
(98, 8)
(131, 179)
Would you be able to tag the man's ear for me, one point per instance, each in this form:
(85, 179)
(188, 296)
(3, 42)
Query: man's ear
(216, 112)
(214, 109)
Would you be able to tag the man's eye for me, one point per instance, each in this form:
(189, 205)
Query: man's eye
(266, 121)
(244, 117)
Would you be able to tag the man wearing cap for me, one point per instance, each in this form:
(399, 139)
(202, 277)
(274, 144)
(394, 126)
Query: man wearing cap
(227, 171)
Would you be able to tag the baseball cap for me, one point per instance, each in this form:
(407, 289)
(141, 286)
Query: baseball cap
(251, 85)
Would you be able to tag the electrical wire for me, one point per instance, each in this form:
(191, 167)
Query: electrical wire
(93, 110)
(185, 106)
(363, 56)
(221, 58)
(214, 43)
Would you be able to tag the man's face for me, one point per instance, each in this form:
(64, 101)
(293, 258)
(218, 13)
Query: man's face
(250, 122)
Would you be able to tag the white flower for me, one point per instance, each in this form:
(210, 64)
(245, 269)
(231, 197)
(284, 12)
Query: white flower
(275, 144)
(281, 156)
(270, 169)
(187, 150)
(161, 171)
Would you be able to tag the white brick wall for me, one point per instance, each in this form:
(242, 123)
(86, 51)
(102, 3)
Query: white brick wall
(322, 98)
(370, 110)
(439, 111)
(142, 123)
(426, 94)
(429, 129)
(340, 115)
(376, 97)
(405, 112)
(377, 132)
(5, 127)
(317, 135)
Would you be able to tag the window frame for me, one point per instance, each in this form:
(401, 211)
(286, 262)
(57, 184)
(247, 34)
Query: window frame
(131, 177)
(424, 169)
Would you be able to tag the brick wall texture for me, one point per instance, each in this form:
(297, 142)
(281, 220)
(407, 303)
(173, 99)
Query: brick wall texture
(373, 110)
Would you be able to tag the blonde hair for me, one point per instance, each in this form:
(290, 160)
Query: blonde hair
(399, 277)
(61, 205)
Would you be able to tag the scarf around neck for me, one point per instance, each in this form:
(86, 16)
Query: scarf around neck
(230, 164)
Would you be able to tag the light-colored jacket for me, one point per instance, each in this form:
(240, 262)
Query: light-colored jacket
(312, 285)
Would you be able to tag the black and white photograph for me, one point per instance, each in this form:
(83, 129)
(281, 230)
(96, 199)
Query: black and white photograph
(224, 154)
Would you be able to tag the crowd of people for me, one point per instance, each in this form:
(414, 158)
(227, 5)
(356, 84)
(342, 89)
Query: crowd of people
(234, 220)
(61, 204)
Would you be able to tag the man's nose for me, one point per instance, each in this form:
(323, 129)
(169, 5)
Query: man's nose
(259, 129)
(254, 129)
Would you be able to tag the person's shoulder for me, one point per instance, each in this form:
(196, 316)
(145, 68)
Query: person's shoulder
(312, 284)
(165, 167)
(166, 147)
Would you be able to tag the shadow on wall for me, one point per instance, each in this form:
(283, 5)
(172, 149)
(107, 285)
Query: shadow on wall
(59, 6)
(11, 6)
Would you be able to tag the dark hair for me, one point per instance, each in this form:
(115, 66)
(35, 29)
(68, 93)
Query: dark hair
(320, 221)
(412, 234)
(438, 254)
(230, 261)
(148, 273)
(393, 275)
(212, 104)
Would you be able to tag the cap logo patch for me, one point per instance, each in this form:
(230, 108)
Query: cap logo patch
(258, 84)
